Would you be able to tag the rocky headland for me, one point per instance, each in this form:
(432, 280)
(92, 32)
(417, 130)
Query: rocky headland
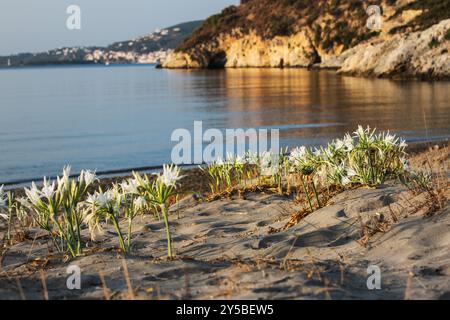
(411, 41)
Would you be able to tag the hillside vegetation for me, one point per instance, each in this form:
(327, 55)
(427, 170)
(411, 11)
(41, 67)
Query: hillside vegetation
(334, 22)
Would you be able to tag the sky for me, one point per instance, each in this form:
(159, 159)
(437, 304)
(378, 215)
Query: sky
(40, 25)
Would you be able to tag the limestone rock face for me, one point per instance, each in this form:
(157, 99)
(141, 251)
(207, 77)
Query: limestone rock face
(246, 51)
(252, 51)
(181, 60)
(420, 55)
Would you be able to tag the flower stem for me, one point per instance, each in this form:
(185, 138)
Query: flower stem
(78, 230)
(315, 193)
(64, 237)
(130, 220)
(307, 194)
(166, 222)
(119, 233)
(9, 226)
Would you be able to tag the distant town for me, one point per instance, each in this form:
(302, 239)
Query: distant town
(148, 49)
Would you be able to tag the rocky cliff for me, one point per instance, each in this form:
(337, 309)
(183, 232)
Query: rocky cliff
(412, 40)
(423, 55)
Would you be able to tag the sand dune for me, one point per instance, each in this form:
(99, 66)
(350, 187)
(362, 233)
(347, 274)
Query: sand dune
(238, 248)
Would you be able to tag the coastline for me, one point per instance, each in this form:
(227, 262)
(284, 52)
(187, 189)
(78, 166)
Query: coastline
(426, 77)
(77, 65)
(111, 176)
(318, 67)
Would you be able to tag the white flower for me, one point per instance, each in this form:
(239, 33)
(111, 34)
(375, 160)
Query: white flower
(364, 135)
(328, 153)
(339, 144)
(114, 194)
(269, 171)
(24, 202)
(360, 132)
(97, 199)
(269, 164)
(230, 158)
(403, 144)
(66, 171)
(219, 161)
(33, 194)
(63, 182)
(105, 199)
(252, 158)
(239, 160)
(88, 177)
(130, 186)
(48, 189)
(348, 142)
(170, 176)
(351, 172)
(92, 217)
(140, 203)
(345, 180)
(389, 138)
(91, 198)
(266, 159)
(321, 175)
(297, 154)
(318, 152)
(102, 199)
(3, 198)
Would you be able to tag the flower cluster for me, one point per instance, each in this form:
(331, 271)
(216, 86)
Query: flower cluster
(363, 158)
(62, 207)
(57, 208)
(130, 198)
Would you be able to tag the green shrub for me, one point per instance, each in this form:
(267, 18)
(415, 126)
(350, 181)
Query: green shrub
(281, 26)
(447, 35)
(434, 43)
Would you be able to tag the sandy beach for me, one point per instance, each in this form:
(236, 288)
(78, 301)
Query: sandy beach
(259, 245)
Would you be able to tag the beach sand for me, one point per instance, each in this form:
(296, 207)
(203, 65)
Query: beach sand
(260, 245)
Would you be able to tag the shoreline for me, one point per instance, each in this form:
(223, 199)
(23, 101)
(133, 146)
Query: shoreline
(108, 177)
(365, 75)
(315, 67)
(76, 65)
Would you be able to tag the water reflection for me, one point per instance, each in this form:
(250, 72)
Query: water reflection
(331, 104)
(123, 117)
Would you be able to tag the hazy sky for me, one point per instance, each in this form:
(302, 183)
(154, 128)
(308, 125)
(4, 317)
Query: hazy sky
(40, 25)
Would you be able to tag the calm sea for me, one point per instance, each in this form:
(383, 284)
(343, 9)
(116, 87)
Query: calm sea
(120, 117)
